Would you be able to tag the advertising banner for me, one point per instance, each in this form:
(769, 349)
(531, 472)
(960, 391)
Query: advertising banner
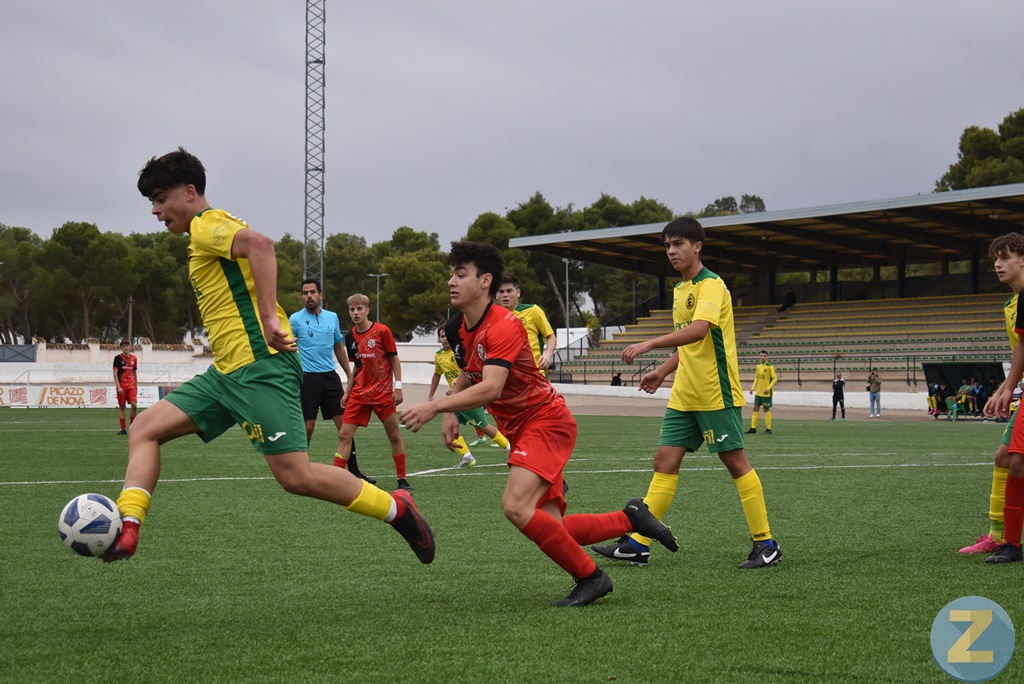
(81, 396)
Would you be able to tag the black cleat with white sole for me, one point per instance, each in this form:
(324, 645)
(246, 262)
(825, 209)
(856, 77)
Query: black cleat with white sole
(765, 553)
(587, 590)
(622, 550)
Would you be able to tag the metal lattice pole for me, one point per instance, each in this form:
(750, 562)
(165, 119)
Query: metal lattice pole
(313, 253)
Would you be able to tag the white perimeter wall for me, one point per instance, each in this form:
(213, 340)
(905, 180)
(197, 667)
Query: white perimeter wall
(82, 378)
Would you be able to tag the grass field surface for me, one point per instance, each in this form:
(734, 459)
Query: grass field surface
(236, 580)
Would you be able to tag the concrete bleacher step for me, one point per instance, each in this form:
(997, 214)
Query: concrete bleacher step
(854, 336)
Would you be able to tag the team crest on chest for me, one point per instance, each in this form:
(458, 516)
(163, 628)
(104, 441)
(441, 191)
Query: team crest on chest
(480, 352)
(690, 301)
(371, 343)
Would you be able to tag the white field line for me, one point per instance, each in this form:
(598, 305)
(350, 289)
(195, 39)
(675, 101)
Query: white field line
(478, 470)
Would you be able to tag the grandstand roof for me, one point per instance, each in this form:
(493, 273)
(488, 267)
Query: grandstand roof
(945, 226)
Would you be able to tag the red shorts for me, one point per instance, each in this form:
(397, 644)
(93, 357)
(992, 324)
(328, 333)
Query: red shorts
(128, 396)
(543, 446)
(1017, 437)
(357, 412)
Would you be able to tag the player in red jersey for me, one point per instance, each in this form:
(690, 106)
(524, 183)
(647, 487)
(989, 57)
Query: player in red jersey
(498, 371)
(125, 367)
(376, 385)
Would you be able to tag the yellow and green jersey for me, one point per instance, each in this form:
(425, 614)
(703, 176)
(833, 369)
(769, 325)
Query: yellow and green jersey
(764, 379)
(708, 377)
(537, 327)
(1010, 316)
(226, 292)
(446, 365)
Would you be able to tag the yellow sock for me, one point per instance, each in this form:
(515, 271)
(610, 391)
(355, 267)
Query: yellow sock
(767, 420)
(500, 440)
(372, 502)
(134, 502)
(996, 502)
(461, 446)
(660, 494)
(753, 420)
(752, 498)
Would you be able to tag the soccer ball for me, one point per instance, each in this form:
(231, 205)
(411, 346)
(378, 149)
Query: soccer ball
(89, 524)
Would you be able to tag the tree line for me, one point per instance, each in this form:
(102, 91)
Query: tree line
(83, 283)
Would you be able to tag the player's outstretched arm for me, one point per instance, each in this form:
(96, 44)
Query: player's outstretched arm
(463, 399)
(695, 331)
(450, 431)
(652, 381)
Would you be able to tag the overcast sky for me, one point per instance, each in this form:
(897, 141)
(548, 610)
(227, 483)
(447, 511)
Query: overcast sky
(439, 111)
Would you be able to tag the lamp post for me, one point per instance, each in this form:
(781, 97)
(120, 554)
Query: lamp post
(378, 276)
(566, 262)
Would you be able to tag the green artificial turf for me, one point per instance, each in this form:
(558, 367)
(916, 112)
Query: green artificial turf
(236, 580)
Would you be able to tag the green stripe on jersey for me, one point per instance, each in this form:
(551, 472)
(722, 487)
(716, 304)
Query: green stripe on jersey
(722, 362)
(243, 302)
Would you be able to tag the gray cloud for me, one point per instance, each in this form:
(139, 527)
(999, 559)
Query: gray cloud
(439, 111)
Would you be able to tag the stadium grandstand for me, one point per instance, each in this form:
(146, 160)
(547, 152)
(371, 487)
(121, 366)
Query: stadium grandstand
(888, 285)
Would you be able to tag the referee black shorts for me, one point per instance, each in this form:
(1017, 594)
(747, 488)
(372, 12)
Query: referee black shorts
(323, 392)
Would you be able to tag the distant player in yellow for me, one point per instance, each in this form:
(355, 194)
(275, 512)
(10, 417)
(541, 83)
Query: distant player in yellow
(706, 405)
(762, 389)
(538, 330)
(446, 365)
(1008, 254)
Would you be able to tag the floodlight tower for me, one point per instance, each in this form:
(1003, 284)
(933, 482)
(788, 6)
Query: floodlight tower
(313, 238)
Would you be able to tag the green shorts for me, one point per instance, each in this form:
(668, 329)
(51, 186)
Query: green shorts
(262, 397)
(1009, 429)
(722, 429)
(476, 417)
(763, 401)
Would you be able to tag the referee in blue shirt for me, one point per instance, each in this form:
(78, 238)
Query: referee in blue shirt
(318, 333)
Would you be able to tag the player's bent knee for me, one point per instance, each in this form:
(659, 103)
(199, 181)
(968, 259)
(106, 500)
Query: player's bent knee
(1016, 466)
(293, 473)
(517, 514)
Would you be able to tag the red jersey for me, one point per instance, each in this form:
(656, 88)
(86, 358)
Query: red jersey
(126, 367)
(371, 353)
(499, 338)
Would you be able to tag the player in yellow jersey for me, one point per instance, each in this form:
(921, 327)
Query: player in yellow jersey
(762, 389)
(445, 365)
(256, 373)
(706, 405)
(1007, 252)
(538, 330)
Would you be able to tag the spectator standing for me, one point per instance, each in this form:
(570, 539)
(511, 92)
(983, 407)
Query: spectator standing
(875, 395)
